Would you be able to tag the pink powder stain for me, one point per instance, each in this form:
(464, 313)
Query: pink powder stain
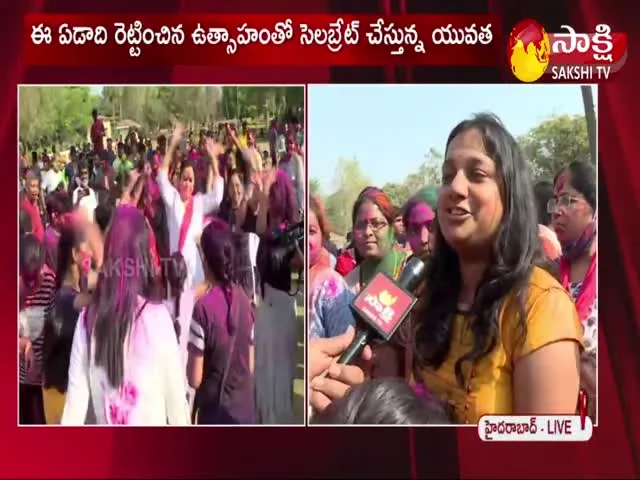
(332, 288)
(122, 403)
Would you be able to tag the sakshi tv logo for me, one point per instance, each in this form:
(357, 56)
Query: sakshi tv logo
(567, 55)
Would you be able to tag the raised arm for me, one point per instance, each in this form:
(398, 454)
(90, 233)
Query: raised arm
(176, 137)
(215, 183)
(167, 191)
(261, 197)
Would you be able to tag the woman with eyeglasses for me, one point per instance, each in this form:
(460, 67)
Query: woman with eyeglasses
(374, 239)
(573, 216)
(573, 210)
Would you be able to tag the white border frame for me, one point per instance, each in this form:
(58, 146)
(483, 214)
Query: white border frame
(305, 353)
(595, 89)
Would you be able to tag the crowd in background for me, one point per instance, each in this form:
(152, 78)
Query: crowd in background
(506, 319)
(157, 277)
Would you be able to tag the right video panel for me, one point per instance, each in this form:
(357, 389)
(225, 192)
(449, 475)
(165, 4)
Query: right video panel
(452, 253)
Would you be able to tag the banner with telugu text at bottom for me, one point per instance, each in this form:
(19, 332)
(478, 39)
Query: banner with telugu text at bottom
(535, 428)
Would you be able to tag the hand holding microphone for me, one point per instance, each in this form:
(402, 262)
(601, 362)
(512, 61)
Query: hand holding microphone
(381, 306)
(329, 380)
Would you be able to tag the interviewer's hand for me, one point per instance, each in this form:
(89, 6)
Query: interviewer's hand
(323, 354)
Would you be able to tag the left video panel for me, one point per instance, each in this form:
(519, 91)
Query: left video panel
(153, 224)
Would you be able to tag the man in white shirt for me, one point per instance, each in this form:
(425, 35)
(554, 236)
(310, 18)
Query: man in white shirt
(83, 196)
(51, 177)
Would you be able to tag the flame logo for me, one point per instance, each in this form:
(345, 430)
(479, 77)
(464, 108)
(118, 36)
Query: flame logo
(528, 51)
(386, 298)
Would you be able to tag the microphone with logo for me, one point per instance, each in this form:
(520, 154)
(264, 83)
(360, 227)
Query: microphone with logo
(382, 306)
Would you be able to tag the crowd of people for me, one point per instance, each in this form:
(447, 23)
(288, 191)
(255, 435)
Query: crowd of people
(157, 279)
(506, 318)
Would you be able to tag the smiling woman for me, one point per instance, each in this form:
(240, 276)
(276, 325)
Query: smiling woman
(496, 335)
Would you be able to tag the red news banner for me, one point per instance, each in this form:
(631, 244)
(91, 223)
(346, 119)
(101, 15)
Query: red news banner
(285, 40)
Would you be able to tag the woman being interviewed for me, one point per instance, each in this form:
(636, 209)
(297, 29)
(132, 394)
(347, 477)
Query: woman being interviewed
(373, 216)
(496, 335)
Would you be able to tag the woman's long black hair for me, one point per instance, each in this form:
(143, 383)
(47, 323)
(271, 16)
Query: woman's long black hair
(218, 245)
(127, 274)
(383, 401)
(176, 277)
(514, 250)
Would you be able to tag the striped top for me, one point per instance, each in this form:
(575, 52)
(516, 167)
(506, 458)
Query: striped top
(37, 307)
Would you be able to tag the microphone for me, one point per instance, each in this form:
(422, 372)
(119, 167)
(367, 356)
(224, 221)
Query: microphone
(383, 305)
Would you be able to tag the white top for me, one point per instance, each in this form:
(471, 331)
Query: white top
(51, 179)
(153, 391)
(88, 203)
(203, 204)
(187, 301)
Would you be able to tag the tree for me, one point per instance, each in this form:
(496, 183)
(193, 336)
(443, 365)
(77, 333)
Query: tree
(398, 193)
(591, 118)
(555, 143)
(428, 174)
(350, 181)
(60, 115)
(314, 187)
(54, 116)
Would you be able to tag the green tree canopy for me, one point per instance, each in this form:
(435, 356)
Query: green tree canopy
(61, 115)
(350, 180)
(554, 143)
(51, 116)
(549, 147)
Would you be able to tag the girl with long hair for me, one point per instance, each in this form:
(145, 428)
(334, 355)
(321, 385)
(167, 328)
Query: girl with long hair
(180, 301)
(220, 337)
(373, 234)
(239, 205)
(37, 294)
(276, 329)
(74, 266)
(329, 297)
(496, 335)
(125, 360)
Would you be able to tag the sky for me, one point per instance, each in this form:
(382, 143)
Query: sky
(346, 121)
